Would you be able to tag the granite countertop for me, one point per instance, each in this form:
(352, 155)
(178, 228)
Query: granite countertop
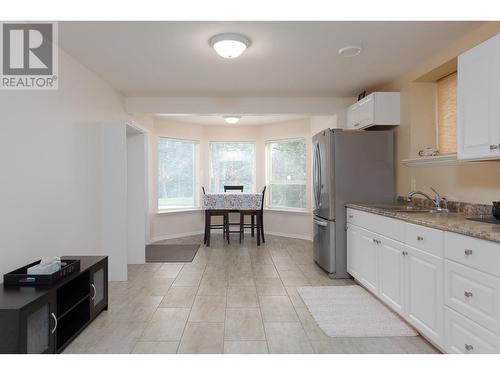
(451, 222)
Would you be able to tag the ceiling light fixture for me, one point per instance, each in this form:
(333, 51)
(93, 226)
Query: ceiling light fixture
(232, 119)
(350, 51)
(229, 45)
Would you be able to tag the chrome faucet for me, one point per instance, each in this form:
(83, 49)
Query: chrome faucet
(438, 201)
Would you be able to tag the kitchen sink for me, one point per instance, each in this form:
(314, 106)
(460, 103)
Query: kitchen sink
(413, 209)
(405, 209)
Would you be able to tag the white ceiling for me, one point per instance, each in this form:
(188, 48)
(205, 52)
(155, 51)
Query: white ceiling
(219, 120)
(285, 58)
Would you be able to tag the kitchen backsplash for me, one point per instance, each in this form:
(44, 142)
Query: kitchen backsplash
(469, 209)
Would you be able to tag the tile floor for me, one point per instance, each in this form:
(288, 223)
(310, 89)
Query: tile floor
(230, 299)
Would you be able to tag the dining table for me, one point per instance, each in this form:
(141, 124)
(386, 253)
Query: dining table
(232, 202)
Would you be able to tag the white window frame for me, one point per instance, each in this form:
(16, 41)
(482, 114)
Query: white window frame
(268, 162)
(254, 161)
(196, 177)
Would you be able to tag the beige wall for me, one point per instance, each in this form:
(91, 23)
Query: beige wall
(167, 225)
(470, 182)
(57, 156)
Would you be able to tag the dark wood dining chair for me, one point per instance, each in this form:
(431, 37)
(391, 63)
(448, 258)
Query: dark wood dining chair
(234, 224)
(233, 188)
(209, 226)
(256, 220)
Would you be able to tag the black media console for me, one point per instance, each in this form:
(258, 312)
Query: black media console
(38, 320)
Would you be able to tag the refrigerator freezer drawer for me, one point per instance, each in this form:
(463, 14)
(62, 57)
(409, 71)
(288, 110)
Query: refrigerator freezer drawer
(324, 244)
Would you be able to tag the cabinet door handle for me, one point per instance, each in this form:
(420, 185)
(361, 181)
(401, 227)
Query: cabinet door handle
(95, 291)
(468, 252)
(351, 217)
(469, 347)
(467, 294)
(420, 238)
(55, 323)
(493, 147)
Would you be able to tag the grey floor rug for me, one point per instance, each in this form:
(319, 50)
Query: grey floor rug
(170, 253)
(351, 311)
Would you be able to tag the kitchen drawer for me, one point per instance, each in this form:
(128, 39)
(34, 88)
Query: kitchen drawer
(474, 294)
(426, 239)
(463, 336)
(390, 228)
(473, 252)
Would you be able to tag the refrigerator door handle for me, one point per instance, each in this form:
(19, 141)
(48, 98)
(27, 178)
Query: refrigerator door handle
(316, 168)
(320, 223)
(320, 177)
(317, 175)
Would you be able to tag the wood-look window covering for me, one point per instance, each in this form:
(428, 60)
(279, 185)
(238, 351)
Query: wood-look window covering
(447, 113)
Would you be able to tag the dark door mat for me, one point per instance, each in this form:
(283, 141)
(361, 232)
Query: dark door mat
(170, 253)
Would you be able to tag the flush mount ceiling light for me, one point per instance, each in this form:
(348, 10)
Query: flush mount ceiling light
(232, 119)
(350, 51)
(229, 45)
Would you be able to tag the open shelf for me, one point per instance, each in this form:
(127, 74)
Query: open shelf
(444, 159)
(72, 293)
(72, 322)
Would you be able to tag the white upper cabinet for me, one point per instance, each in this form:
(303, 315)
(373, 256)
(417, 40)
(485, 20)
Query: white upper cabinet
(478, 98)
(378, 108)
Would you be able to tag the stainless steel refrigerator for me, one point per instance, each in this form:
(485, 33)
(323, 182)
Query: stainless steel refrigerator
(348, 166)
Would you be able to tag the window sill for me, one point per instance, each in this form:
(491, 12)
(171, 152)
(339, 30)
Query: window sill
(179, 211)
(267, 209)
(286, 211)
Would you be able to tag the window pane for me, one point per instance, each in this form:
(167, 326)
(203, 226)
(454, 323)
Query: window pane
(290, 196)
(447, 113)
(232, 164)
(288, 161)
(176, 173)
(287, 177)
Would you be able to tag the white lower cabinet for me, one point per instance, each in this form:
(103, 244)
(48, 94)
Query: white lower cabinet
(362, 257)
(424, 293)
(474, 294)
(391, 266)
(463, 336)
(446, 285)
(408, 280)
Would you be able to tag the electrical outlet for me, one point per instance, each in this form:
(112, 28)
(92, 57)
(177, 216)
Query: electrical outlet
(413, 183)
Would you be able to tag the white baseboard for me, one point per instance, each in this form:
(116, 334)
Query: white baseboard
(171, 236)
(187, 234)
(288, 235)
